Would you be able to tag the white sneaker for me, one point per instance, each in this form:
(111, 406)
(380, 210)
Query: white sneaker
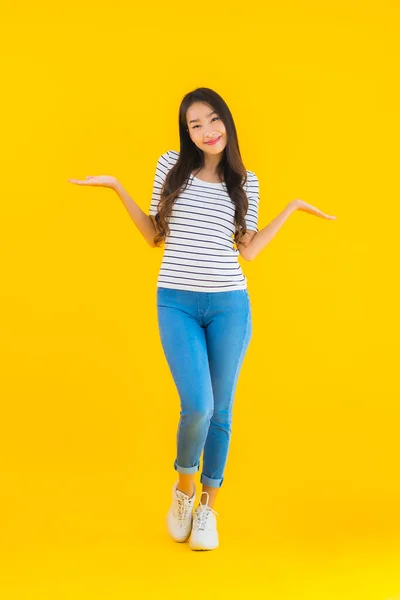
(180, 514)
(204, 530)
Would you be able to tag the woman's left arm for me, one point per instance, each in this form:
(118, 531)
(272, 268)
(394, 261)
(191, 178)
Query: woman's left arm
(264, 236)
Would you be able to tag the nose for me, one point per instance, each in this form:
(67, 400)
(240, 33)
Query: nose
(210, 136)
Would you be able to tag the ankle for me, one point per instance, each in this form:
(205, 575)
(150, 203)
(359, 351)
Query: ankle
(188, 492)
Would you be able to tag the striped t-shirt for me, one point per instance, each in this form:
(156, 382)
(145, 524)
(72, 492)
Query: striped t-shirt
(200, 254)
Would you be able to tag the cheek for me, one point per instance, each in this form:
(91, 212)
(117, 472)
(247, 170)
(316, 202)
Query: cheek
(196, 139)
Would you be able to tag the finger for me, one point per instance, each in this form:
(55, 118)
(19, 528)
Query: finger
(318, 212)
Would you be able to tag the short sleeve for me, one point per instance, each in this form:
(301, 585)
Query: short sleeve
(162, 168)
(251, 217)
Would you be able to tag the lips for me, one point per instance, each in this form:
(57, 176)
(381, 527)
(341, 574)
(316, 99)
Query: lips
(212, 142)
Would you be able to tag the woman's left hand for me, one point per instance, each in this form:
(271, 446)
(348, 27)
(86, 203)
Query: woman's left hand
(301, 205)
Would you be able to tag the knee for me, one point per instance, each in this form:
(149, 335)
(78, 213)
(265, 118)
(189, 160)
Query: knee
(195, 420)
(223, 418)
(198, 416)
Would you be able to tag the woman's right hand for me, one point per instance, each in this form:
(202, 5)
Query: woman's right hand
(107, 181)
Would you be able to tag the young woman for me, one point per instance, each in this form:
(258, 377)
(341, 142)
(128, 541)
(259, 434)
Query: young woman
(204, 207)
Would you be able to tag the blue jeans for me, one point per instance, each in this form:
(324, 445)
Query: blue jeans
(204, 336)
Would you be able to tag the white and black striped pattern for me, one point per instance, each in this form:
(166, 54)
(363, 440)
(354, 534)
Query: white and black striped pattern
(199, 253)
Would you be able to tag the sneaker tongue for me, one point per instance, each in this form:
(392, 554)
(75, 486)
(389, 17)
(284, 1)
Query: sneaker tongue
(181, 494)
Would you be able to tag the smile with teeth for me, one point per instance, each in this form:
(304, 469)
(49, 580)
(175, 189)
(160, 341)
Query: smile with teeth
(214, 141)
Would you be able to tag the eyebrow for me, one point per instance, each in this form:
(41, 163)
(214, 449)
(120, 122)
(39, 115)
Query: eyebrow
(209, 115)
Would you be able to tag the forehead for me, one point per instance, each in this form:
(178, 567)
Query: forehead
(198, 110)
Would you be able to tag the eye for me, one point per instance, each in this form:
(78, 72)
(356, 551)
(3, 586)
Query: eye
(211, 121)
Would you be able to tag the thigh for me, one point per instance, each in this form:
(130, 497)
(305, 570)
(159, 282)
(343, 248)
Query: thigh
(184, 345)
(228, 336)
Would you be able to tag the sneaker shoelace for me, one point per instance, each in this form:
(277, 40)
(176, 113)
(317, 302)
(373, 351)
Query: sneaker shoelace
(183, 507)
(200, 516)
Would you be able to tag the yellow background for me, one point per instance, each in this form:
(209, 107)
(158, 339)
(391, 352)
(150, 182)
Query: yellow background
(310, 503)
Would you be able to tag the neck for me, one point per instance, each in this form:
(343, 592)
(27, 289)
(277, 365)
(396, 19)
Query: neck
(211, 162)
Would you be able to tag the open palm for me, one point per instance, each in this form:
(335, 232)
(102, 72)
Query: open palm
(107, 181)
(301, 205)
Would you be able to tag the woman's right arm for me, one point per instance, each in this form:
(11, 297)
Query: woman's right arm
(143, 221)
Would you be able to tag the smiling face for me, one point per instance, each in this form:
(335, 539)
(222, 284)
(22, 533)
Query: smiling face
(205, 125)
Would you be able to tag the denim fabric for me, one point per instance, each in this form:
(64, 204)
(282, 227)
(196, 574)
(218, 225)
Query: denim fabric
(204, 336)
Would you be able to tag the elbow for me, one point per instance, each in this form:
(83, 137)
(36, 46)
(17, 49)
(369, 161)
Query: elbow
(246, 255)
(150, 241)
(249, 254)
(152, 244)
(252, 252)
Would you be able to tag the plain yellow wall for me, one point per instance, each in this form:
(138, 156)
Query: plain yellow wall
(89, 410)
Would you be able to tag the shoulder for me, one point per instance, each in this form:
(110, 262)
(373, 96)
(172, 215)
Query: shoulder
(173, 156)
(168, 159)
(252, 184)
(251, 176)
